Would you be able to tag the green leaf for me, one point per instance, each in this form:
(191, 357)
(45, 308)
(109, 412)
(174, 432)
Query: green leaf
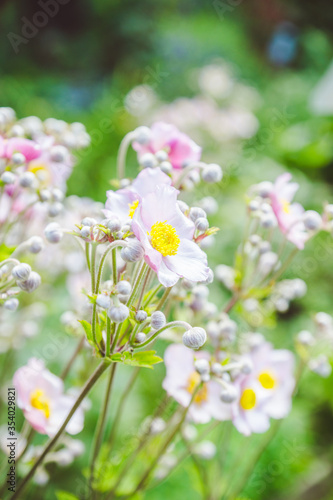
(88, 330)
(5, 252)
(145, 359)
(65, 495)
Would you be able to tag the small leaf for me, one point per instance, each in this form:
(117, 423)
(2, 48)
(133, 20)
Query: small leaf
(5, 252)
(65, 495)
(88, 330)
(145, 359)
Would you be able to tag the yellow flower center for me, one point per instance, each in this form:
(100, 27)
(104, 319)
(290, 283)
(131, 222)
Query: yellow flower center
(285, 206)
(164, 238)
(248, 399)
(267, 380)
(39, 401)
(192, 384)
(41, 171)
(132, 207)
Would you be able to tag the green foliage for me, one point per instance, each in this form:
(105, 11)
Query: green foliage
(144, 359)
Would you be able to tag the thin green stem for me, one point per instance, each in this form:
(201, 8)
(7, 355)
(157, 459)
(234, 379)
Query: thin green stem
(109, 330)
(164, 298)
(152, 295)
(121, 159)
(87, 254)
(172, 324)
(114, 266)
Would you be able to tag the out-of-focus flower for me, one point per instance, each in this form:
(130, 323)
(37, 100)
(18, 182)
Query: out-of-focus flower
(167, 237)
(181, 381)
(289, 215)
(266, 392)
(41, 396)
(180, 148)
(30, 149)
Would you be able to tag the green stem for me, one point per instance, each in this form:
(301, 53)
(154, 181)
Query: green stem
(85, 390)
(172, 324)
(67, 368)
(152, 295)
(144, 269)
(121, 159)
(109, 330)
(164, 298)
(87, 255)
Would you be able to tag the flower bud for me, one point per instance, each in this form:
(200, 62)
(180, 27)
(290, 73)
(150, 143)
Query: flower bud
(11, 304)
(321, 366)
(118, 314)
(247, 366)
(212, 173)
(217, 369)
(114, 225)
(55, 209)
(103, 301)
(122, 298)
(142, 135)
(206, 450)
(183, 206)
(228, 394)
(57, 194)
(299, 288)
(8, 177)
(148, 160)
(324, 320)
(85, 231)
(254, 205)
(196, 213)
(59, 153)
(264, 247)
(21, 272)
(202, 224)
(18, 159)
(133, 252)
(305, 337)
(35, 244)
(124, 287)
(27, 179)
(88, 221)
(45, 195)
(158, 320)
(31, 283)
(53, 232)
(194, 338)
(141, 316)
(312, 220)
(140, 338)
(202, 366)
(268, 221)
(166, 167)
(264, 189)
(226, 275)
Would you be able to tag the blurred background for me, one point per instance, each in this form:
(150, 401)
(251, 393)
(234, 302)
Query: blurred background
(252, 82)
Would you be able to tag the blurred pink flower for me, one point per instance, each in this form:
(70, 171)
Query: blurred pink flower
(167, 237)
(29, 149)
(266, 392)
(182, 379)
(289, 215)
(41, 396)
(180, 148)
(123, 203)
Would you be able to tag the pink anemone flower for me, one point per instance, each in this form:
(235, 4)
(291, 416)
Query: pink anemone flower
(123, 203)
(182, 379)
(289, 215)
(266, 392)
(167, 237)
(30, 149)
(41, 396)
(180, 148)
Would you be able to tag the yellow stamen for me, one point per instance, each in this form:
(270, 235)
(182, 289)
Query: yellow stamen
(39, 401)
(164, 238)
(248, 399)
(192, 384)
(41, 171)
(267, 380)
(132, 208)
(285, 206)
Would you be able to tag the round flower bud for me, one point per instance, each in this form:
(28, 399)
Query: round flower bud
(141, 316)
(158, 320)
(16, 131)
(183, 206)
(124, 287)
(166, 167)
(225, 275)
(247, 366)
(161, 155)
(35, 244)
(45, 195)
(114, 225)
(329, 209)
(227, 328)
(21, 272)
(133, 252)
(57, 194)
(88, 221)
(55, 209)
(254, 205)
(228, 394)
(103, 301)
(59, 153)
(196, 213)
(299, 287)
(148, 160)
(18, 159)
(157, 426)
(305, 337)
(142, 135)
(140, 338)
(324, 320)
(53, 232)
(27, 179)
(118, 314)
(264, 246)
(312, 220)
(217, 369)
(202, 224)
(264, 189)
(268, 221)
(31, 283)
(267, 262)
(8, 177)
(194, 338)
(124, 183)
(11, 304)
(122, 298)
(85, 231)
(201, 366)
(212, 173)
(8, 114)
(206, 450)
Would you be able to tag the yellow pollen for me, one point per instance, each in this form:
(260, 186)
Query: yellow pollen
(132, 207)
(193, 382)
(248, 399)
(164, 238)
(267, 380)
(285, 206)
(39, 401)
